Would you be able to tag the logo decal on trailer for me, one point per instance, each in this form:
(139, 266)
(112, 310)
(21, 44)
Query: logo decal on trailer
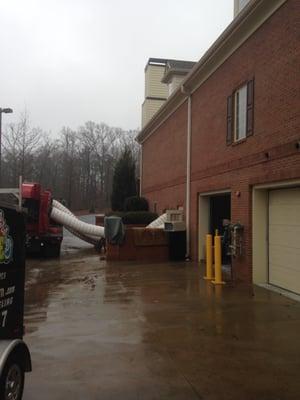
(6, 241)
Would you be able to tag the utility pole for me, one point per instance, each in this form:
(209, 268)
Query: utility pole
(5, 111)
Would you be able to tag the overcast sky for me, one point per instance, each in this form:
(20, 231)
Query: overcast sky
(70, 61)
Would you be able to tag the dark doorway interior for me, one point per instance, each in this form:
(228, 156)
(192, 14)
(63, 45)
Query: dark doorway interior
(220, 209)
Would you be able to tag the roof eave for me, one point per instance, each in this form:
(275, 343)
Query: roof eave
(171, 72)
(239, 30)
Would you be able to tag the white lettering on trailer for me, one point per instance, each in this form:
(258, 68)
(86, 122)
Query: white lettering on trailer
(10, 290)
(3, 315)
(6, 302)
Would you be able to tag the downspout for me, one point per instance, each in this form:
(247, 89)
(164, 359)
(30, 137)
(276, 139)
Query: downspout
(188, 172)
(141, 168)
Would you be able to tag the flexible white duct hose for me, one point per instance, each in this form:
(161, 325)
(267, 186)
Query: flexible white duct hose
(75, 224)
(88, 238)
(61, 207)
(158, 223)
(85, 238)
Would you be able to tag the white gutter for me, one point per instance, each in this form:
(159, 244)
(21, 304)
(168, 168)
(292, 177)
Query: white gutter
(251, 18)
(141, 169)
(188, 172)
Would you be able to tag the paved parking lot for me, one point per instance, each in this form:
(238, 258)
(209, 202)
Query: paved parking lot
(130, 331)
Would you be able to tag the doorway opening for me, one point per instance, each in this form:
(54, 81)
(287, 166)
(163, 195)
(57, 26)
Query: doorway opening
(220, 214)
(214, 210)
(220, 210)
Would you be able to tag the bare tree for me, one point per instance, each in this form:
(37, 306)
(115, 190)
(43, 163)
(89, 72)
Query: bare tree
(101, 141)
(69, 155)
(77, 166)
(20, 142)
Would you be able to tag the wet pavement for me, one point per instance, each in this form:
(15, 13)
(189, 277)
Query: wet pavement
(100, 330)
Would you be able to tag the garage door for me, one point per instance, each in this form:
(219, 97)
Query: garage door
(284, 239)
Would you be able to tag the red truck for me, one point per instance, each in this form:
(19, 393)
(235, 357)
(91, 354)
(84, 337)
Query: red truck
(44, 236)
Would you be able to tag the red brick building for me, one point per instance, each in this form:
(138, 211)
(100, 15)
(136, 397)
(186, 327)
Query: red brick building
(226, 144)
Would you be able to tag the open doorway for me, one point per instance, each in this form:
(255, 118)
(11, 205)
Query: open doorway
(214, 208)
(220, 212)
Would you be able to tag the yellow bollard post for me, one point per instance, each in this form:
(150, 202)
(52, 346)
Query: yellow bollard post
(218, 262)
(209, 258)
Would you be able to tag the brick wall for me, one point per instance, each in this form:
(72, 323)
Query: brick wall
(272, 56)
(164, 162)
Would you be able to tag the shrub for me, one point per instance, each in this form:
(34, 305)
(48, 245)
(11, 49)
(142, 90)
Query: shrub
(124, 183)
(136, 203)
(135, 217)
(139, 217)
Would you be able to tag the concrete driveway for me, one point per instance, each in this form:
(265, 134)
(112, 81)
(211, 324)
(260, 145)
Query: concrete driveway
(130, 331)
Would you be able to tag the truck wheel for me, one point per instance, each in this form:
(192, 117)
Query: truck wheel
(52, 250)
(12, 380)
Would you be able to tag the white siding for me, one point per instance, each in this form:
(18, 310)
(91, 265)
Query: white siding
(284, 243)
(153, 85)
(149, 108)
(175, 83)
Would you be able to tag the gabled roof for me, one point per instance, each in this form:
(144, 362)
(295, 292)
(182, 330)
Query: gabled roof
(180, 64)
(251, 18)
(177, 67)
(171, 63)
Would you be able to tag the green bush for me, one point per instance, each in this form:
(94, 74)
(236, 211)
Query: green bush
(136, 203)
(124, 182)
(135, 217)
(139, 217)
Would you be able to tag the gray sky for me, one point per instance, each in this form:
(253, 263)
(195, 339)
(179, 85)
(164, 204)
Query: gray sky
(69, 61)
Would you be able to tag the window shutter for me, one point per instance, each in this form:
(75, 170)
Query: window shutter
(229, 119)
(250, 107)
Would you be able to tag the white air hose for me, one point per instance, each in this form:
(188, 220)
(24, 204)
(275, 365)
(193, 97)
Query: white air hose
(88, 238)
(85, 238)
(61, 207)
(88, 232)
(158, 223)
(75, 224)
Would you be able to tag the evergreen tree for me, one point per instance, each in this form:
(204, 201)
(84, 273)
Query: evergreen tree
(124, 183)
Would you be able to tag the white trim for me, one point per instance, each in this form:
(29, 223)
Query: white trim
(188, 176)
(278, 185)
(240, 110)
(215, 192)
(248, 21)
(141, 169)
(260, 227)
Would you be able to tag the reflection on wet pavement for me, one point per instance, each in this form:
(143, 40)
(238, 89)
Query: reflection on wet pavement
(100, 330)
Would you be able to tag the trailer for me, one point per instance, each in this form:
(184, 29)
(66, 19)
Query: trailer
(15, 357)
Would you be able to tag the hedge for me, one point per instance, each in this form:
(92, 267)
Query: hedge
(134, 217)
(136, 203)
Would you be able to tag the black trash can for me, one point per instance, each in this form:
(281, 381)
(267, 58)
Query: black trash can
(177, 245)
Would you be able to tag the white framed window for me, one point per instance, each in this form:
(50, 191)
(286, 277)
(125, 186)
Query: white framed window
(240, 113)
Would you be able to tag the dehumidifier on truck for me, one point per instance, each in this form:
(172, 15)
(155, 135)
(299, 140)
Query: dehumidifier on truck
(44, 235)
